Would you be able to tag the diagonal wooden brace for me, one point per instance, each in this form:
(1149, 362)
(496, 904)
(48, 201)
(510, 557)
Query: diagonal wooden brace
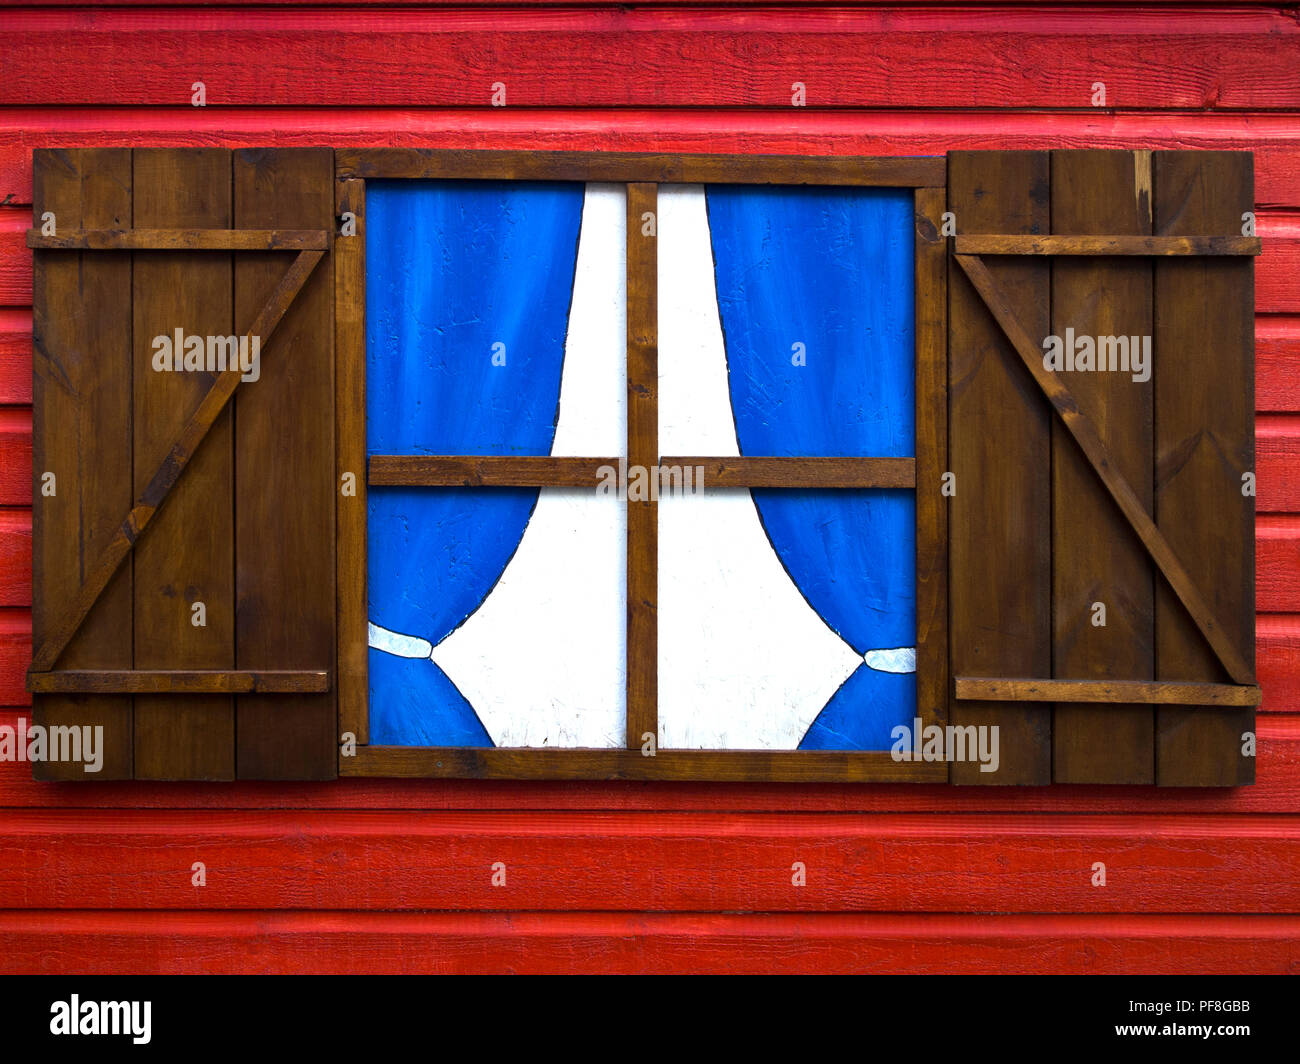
(169, 470)
(1099, 457)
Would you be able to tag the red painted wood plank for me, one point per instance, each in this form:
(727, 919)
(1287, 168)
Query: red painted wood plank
(1277, 270)
(1277, 463)
(15, 259)
(1277, 662)
(15, 655)
(1274, 138)
(552, 3)
(917, 57)
(1277, 790)
(15, 355)
(15, 456)
(16, 557)
(688, 862)
(1277, 563)
(110, 943)
(1277, 362)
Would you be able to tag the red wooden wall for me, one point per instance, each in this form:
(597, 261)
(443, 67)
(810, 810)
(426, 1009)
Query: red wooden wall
(396, 876)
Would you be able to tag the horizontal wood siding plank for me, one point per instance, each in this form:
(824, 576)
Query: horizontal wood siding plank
(688, 862)
(109, 943)
(16, 355)
(1277, 563)
(1277, 363)
(784, 130)
(1277, 790)
(1221, 60)
(1277, 463)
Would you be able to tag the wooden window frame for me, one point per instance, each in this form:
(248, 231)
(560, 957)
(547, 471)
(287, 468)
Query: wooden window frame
(642, 173)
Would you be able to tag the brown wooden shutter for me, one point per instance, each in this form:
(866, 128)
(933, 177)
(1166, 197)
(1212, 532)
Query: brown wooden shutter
(173, 488)
(1086, 486)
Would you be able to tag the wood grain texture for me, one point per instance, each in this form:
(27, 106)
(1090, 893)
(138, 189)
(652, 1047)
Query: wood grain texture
(1277, 353)
(1277, 563)
(284, 473)
(931, 324)
(1105, 691)
(182, 240)
(178, 681)
(487, 471)
(889, 131)
(1277, 790)
(116, 941)
(82, 435)
(107, 943)
(757, 471)
(1095, 555)
(642, 167)
(1277, 289)
(175, 461)
(1085, 434)
(999, 440)
(186, 558)
(16, 355)
(353, 648)
(1277, 463)
(1094, 244)
(790, 766)
(1191, 59)
(1204, 444)
(642, 450)
(15, 557)
(679, 862)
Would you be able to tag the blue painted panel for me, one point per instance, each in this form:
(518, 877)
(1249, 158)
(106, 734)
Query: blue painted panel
(419, 706)
(863, 712)
(831, 269)
(452, 269)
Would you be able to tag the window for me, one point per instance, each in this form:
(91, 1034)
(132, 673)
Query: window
(611, 598)
(640, 466)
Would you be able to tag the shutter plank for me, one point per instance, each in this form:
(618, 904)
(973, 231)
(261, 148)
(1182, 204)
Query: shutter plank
(82, 433)
(284, 469)
(999, 448)
(1204, 421)
(1096, 557)
(187, 554)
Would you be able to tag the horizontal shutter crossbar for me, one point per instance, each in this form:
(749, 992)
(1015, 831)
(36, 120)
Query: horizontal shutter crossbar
(1163, 692)
(178, 681)
(1019, 244)
(181, 240)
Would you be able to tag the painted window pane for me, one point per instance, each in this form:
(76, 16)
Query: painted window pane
(495, 326)
(787, 618)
